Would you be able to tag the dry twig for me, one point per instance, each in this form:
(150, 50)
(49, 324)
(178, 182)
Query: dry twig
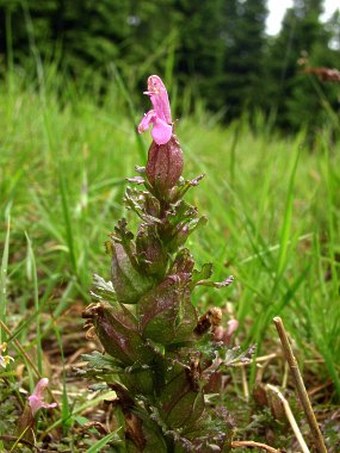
(253, 444)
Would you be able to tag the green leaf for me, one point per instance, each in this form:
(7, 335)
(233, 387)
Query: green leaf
(3, 275)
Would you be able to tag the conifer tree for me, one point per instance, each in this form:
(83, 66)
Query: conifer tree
(297, 97)
(244, 56)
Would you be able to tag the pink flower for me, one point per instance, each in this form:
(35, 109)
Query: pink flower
(35, 400)
(225, 334)
(160, 116)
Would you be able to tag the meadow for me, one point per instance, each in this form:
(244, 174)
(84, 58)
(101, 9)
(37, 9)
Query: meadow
(272, 204)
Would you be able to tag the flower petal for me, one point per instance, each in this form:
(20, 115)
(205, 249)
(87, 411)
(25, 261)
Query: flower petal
(160, 115)
(161, 132)
(147, 120)
(159, 98)
(35, 404)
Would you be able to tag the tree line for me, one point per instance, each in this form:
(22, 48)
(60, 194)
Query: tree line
(214, 50)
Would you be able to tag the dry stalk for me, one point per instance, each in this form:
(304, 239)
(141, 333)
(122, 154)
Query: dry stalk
(290, 417)
(245, 384)
(253, 444)
(300, 386)
(285, 376)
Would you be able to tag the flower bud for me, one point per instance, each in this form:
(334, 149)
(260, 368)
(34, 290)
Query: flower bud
(116, 329)
(225, 334)
(166, 313)
(128, 283)
(164, 166)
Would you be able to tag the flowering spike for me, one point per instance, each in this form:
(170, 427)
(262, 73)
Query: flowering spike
(163, 355)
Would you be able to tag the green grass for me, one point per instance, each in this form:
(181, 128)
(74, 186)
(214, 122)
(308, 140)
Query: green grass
(272, 204)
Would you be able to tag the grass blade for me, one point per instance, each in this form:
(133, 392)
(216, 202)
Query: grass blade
(68, 224)
(97, 447)
(32, 276)
(3, 274)
(287, 219)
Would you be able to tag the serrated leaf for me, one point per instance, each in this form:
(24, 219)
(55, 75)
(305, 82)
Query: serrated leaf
(203, 274)
(100, 387)
(186, 185)
(181, 212)
(193, 224)
(122, 232)
(237, 357)
(140, 170)
(100, 361)
(103, 289)
(134, 199)
(223, 284)
(136, 180)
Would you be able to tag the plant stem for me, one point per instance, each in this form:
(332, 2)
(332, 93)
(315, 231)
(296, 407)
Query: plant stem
(300, 386)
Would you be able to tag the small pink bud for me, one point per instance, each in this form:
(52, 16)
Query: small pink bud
(35, 400)
(225, 334)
